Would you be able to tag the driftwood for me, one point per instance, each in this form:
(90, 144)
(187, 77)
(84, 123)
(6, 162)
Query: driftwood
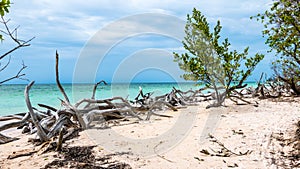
(40, 131)
(57, 79)
(5, 139)
(224, 151)
(70, 117)
(268, 90)
(60, 139)
(15, 124)
(59, 122)
(12, 117)
(48, 124)
(26, 152)
(47, 107)
(272, 90)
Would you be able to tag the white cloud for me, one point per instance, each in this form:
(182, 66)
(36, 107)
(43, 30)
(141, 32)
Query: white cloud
(68, 24)
(78, 20)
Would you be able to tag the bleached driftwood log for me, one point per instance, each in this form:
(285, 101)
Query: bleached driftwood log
(40, 131)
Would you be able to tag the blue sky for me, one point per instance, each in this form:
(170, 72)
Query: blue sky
(69, 27)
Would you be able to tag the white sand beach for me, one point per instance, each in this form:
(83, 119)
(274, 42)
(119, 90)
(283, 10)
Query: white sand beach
(241, 128)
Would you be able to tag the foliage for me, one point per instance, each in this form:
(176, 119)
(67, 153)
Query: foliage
(4, 5)
(282, 29)
(209, 59)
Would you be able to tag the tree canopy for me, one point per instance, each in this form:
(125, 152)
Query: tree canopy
(209, 60)
(282, 29)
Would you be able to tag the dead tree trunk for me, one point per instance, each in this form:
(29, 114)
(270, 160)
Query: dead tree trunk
(40, 131)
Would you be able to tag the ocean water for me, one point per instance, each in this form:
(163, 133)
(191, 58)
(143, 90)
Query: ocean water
(12, 95)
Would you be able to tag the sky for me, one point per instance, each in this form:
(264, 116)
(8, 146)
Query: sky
(122, 40)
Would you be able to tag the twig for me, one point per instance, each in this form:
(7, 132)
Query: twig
(231, 96)
(21, 154)
(226, 152)
(5, 66)
(20, 43)
(154, 149)
(17, 76)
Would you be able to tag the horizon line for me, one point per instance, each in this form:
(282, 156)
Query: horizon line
(70, 83)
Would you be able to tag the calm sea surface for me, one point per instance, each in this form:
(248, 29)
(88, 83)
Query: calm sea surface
(12, 96)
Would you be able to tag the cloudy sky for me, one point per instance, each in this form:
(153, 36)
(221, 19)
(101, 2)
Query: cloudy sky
(122, 40)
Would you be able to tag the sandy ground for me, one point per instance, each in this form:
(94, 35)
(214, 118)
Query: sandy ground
(176, 142)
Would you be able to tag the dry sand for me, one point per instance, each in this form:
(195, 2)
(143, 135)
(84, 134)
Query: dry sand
(176, 142)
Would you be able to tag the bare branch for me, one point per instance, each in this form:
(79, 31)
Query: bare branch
(4, 67)
(20, 43)
(19, 75)
(58, 82)
(24, 44)
(9, 33)
(14, 124)
(224, 152)
(95, 88)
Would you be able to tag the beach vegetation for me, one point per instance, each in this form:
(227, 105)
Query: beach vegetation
(282, 32)
(209, 59)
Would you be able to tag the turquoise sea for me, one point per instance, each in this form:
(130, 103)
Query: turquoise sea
(12, 95)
